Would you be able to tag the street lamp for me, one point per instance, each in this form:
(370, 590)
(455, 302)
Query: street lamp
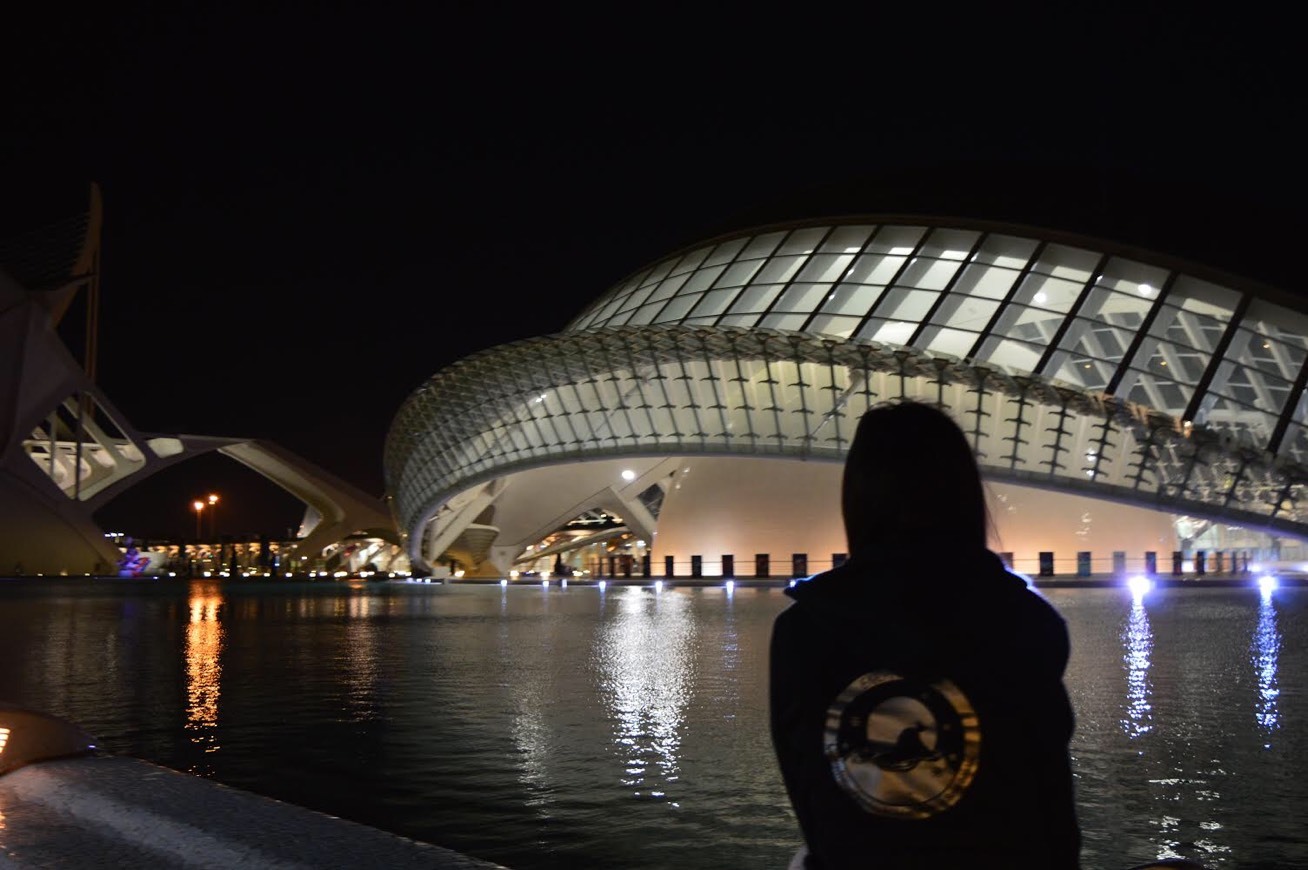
(213, 516)
(199, 506)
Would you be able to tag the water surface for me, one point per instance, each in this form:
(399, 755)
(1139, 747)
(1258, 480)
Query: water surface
(562, 728)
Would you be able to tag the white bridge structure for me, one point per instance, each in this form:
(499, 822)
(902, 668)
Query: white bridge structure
(1074, 365)
(65, 450)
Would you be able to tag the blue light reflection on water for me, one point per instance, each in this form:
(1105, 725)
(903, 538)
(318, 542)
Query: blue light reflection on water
(1138, 642)
(550, 727)
(1266, 653)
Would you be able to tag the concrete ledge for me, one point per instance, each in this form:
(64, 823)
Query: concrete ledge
(123, 812)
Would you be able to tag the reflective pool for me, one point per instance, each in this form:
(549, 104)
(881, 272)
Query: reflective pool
(579, 727)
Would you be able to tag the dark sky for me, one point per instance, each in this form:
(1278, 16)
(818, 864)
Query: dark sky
(310, 208)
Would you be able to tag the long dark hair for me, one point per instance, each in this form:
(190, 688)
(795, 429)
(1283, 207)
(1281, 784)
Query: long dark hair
(911, 478)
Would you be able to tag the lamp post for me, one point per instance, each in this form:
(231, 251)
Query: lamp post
(213, 516)
(199, 506)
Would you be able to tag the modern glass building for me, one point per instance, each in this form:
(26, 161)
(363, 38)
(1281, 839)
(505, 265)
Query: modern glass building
(1140, 391)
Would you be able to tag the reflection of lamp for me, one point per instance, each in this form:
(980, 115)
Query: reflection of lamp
(213, 516)
(199, 506)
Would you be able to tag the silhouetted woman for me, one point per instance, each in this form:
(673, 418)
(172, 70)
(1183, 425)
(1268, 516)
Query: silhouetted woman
(918, 710)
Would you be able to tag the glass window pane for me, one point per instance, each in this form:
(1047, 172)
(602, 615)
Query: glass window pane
(715, 302)
(825, 267)
(1016, 355)
(1051, 294)
(1259, 351)
(896, 240)
(690, 261)
(846, 240)
(761, 246)
(990, 282)
(667, 288)
(738, 320)
(778, 270)
(967, 313)
(1229, 415)
(904, 304)
(676, 309)
(1132, 278)
(1250, 387)
(830, 324)
(1009, 252)
(892, 332)
(929, 274)
(755, 299)
(802, 297)
(738, 274)
(1061, 261)
(1123, 307)
(803, 241)
(1085, 373)
(639, 297)
(955, 342)
(725, 252)
(658, 273)
(875, 269)
(702, 280)
(645, 314)
(949, 244)
(1202, 297)
(854, 299)
(1155, 390)
(783, 321)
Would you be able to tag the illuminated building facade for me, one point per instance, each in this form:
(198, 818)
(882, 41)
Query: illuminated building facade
(1117, 400)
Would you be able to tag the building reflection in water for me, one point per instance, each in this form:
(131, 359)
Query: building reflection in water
(1138, 643)
(203, 652)
(647, 666)
(1266, 651)
(361, 653)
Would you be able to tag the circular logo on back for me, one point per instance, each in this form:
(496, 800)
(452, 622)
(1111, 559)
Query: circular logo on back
(902, 748)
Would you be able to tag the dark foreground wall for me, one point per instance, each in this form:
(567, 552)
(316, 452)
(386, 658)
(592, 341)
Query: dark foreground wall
(122, 812)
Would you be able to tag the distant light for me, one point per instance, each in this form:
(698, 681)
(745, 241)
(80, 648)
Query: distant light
(793, 582)
(1139, 585)
(1146, 290)
(504, 582)
(628, 474)
(602, 584)
(658, 585)
(731, 586)
(1267, 584)
(640, 543)
(564, 582)
(1041, 298)
(545, 583)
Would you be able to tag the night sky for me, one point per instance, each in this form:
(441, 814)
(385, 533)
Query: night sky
(310, 208)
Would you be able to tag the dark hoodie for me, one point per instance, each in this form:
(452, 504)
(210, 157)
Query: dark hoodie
(952, 635)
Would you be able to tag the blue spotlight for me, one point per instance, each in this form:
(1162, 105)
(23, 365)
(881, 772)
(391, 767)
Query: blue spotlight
(1139, 585)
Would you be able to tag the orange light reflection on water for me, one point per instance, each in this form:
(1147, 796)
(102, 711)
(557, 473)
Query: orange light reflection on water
(204, 642)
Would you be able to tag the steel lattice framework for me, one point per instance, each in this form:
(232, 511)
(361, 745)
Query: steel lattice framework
(1070, 363)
